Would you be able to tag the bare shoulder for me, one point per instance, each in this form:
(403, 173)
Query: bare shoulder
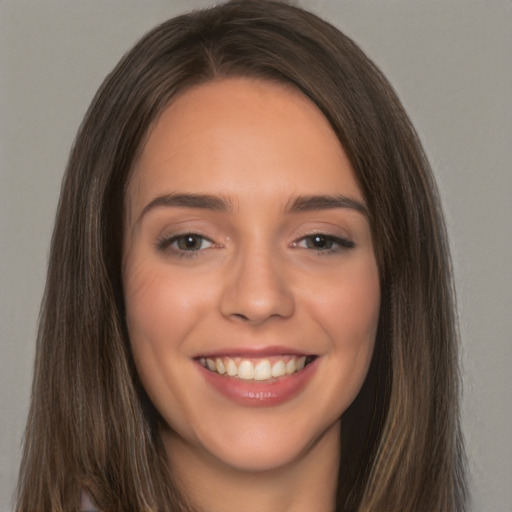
(86, 504)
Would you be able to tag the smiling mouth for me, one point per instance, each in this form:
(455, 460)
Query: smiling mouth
(256, 369)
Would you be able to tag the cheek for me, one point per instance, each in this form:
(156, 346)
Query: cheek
(161, 305)
(147, 327)
(350, 318)
(351, 304)
(161, 309)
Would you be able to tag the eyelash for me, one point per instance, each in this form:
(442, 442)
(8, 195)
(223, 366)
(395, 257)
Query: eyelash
(166, 244)
(335, 244)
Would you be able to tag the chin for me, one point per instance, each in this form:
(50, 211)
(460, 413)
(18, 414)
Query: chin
(263, 447)
(258, 460)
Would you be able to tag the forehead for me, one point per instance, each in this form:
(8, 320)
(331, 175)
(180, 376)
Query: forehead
(241, 137)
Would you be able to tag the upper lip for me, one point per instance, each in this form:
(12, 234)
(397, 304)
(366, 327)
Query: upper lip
(253, 352)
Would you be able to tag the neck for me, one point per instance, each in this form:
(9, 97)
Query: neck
(308, 484)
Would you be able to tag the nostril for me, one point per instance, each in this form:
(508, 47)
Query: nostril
(240, 316)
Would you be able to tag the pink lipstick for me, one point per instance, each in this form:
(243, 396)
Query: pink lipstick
(258, 378)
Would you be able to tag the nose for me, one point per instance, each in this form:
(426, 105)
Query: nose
(257, 289)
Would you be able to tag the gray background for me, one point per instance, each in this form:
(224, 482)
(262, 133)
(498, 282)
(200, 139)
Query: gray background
(451, 63)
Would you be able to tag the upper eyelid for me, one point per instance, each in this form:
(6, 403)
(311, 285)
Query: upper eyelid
(185, 232)
(342, 240)
(166, 241)
(338, 235)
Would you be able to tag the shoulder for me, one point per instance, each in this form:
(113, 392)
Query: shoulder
(86, 504)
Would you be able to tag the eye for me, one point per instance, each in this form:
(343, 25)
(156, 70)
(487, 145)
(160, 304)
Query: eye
(324, 243)
(187, 242)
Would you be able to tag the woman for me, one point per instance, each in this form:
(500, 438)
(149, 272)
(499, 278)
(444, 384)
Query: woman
(249, 300)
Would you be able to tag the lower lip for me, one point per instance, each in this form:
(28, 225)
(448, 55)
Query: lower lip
(260, 393)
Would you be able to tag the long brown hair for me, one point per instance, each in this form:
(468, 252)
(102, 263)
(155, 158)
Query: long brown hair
(91, 425)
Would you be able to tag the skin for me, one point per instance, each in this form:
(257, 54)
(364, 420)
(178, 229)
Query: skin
(257, 279)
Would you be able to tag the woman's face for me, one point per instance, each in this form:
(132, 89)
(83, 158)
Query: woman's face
(251, 285)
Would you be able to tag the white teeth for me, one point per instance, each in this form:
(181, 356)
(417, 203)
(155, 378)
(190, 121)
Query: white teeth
(255, 369)
(220, 366)
(231, 368)
(291, 366)
(262, 370)
(246, 370)
(279, 369)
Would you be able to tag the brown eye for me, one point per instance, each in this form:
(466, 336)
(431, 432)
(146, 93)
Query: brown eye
(319, 242)
(187, 242)
(190, 242)
(324, 243)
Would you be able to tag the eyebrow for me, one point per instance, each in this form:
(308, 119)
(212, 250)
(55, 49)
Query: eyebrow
(325, 202)
(220, 204)
(202, 201)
